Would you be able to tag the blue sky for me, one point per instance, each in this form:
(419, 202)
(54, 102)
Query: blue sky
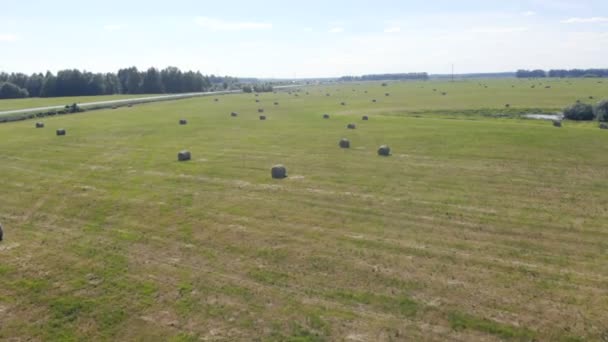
(304, 38)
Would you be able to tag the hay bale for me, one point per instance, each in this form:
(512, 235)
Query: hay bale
(387, 94)
(183, 121)
(351, 126)
(262, 117)
(61, 131)
(444, 93)
(384, 151)
(257, 101)
(548, 87)
(364, 118)
(234, 114)
(327, 94)
(260, 110)
(374, 101)
(507, 105)
(216, 99)
(276, 103)
(39, 124)
(590, 97)
(183, 155)
(325, 116)
(557, 123)
(603, 125)
(344, 143)
(343, 103)
(278, 172)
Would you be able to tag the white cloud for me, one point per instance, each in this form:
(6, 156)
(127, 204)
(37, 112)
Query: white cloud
(214, 24)
(529, 14)
(394, 29)
(336, 30)
(7, 37)
(113, 27)
(499, 29)
(577, 20)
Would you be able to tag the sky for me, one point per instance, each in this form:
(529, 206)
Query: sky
(299, 39)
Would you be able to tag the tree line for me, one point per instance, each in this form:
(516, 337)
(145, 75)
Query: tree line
(387, 77)
(73, 82)
(574, 73)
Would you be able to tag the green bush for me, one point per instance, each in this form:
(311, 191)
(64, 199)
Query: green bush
(579, 111)
(601, 111)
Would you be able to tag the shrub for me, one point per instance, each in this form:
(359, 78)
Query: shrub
(601, 111)
(579, 111)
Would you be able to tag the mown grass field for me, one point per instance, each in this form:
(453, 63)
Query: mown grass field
(15, 104)
(475, 228)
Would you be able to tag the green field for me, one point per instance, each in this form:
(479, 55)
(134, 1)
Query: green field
(476, 228)
(15, 104)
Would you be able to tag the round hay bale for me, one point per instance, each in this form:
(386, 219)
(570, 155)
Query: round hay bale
(183, 121)
(276, 103)
(507, 105)
(590, 97)
(434, 89)
(278, 172)
(547, 87)
(61, 131)
(216, 99)
(444, 93)
(234, 114)
(183, 155)
(364, 118)
(327, 94)
(260, 110)
(262, 117)
(344, 143)
(325, 116)
(374, 100)
(351, 126)
(365, 91)
(384, 151)
(603, 125)
(257, 101)
(387, 94)
(343, 103)
(557, 123)
(39, 124)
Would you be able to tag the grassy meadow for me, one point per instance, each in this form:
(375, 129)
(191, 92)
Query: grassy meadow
(476, 228)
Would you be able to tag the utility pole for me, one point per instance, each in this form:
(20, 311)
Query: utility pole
(452, 72)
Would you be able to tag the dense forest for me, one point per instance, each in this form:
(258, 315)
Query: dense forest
(562, 73)
(126, 81)
(387, 77)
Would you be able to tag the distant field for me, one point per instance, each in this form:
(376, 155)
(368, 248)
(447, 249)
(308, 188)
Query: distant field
(475, 228)
(15, 104)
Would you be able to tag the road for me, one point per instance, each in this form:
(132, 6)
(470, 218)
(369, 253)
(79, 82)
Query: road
(120, 102)
(110, 103)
